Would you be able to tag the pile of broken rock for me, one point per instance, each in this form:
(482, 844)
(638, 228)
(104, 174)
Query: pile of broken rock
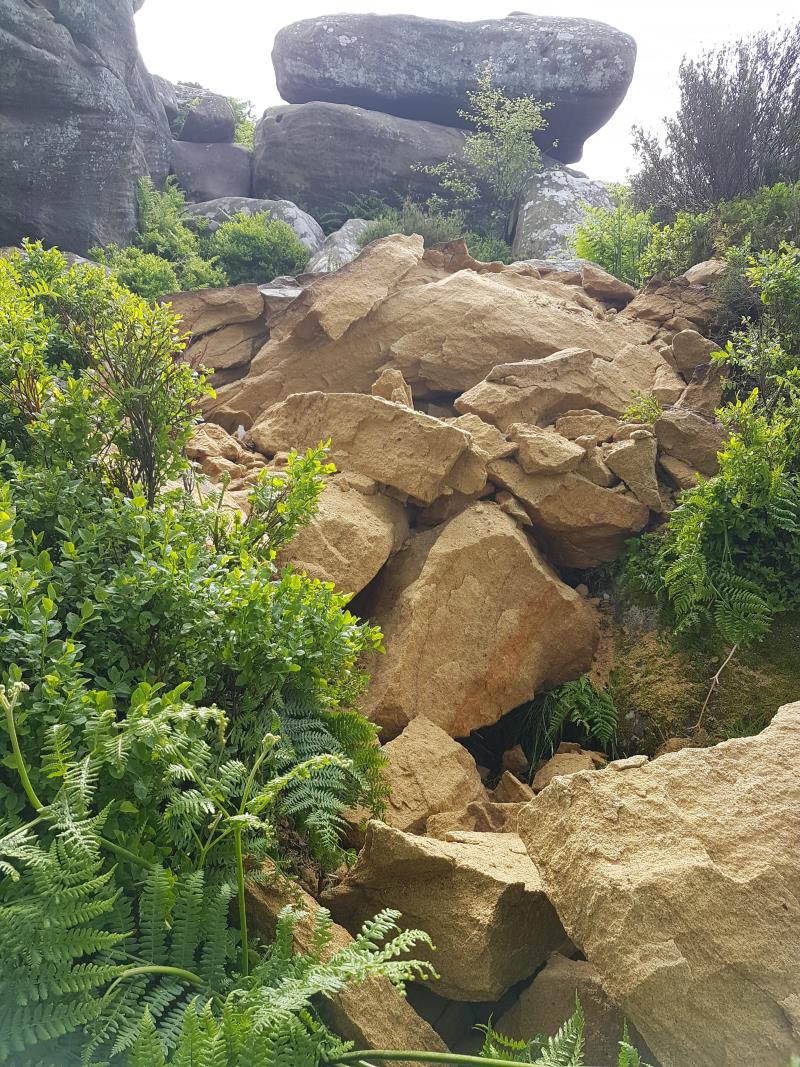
(475, 413)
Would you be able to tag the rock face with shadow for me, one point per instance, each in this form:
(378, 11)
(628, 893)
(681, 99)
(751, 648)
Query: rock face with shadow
(80, 122)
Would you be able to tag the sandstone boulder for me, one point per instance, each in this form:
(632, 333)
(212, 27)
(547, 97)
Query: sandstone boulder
(222, 209)
(372, 1014)
(543, 1006)
(428, 772)
(634, 461)
(677, 473)
(510, 790)
(482, 817)
(538, 390)
(505, 625)
(228, 326)
(691, 438)
(559, 764)
(478, 895)
(605, 287)
(207, 171)
(544, 451)
(690, 349)
(703, 394)
(340, 247)
(321, 153)
(422, 68)
(486, 437)
(577, 523)
(391, 385)
(549, 207)
(408, 450)
(81, 121)
(675, 305)
(678, 880)
(587, 423)
(349, 538)
(706, 273)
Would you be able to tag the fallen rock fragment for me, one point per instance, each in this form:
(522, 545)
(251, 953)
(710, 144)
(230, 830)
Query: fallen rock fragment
(478, 895)
(691, 438)
(634, 461)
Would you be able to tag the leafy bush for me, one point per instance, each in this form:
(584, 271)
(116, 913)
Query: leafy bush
(245, 121)
(430, 221)
(737, 127)
(257, 248)
(617, 238)
(144, 273)
(643, 408)
(499, 154)
(488, 248)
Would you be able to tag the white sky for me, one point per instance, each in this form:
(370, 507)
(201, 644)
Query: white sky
(226, 45)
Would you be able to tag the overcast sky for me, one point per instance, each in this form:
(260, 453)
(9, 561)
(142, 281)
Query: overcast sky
(226, 45)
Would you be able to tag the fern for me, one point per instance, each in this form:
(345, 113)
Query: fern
(565, 1049)
(577, 702)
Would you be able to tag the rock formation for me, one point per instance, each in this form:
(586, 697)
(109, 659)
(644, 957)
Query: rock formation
(549, 207)
(678, 880)
(421, 68)
(80, 122)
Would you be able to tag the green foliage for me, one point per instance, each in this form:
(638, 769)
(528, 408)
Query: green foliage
(499, 152)
(617, 238)
(245, 121)
(369, 206)
(643, 408)
(430, 221)
(776, 277)
(577, 704)
(257, 248)
(488, 248)
(144, 273)
(736, 129)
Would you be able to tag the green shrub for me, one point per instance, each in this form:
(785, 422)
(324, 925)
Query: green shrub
(643, 408)
(617, 238)
(488, 248)
(257, 248)
(144, 273)
(245, 121)
(368, 206)
(676, 247)
(430, 221)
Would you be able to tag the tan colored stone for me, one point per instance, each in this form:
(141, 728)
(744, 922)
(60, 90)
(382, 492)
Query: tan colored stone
(510, 790)
(372, 1014)
(674, 305)
(677, 473)
(511, 506)
(594, 468)
(587, 423)
(228, 347)
(477, 895)
(705, 273)
(444, 322)
(634, 461)
(559, 764)
(601, 285)
(691, 438)
(391, 385)
(406, 449)
(703, 394)
(539, 390)
(428, 772)
(544, 451)
(481, 817)
(205, 310)
(474, 622)
(349, 538)
(448, 505)
(579, 524)
(543, 1006)
(679, 880)
(487, 437)
(209, 439)
(690, 349)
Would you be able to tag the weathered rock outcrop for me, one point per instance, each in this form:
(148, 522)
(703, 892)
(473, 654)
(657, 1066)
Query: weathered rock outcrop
(209, 171)
(678, 879)
(478, 896)
(320, 154)
(340, 247)
(423, 68)
(549, 207)
(504, 625)
(228, 326)
(208, 118)
(80, 122)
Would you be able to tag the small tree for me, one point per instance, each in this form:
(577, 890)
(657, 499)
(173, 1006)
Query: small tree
(615, 238)
(737, 127)
(499, 151)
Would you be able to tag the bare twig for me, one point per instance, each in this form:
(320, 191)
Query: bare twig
(713, 686)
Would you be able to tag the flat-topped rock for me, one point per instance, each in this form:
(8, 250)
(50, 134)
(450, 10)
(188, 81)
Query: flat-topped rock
(423, 68)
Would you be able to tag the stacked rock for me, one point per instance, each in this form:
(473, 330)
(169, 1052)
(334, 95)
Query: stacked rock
(370, 96)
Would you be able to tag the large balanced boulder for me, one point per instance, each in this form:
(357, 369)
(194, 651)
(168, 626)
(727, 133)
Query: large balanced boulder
(320, 154)
(373, 1014)
(505, 626)
(549, 207)
(80, 122)
(423, 68)
(678, 879)
(478, 895)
